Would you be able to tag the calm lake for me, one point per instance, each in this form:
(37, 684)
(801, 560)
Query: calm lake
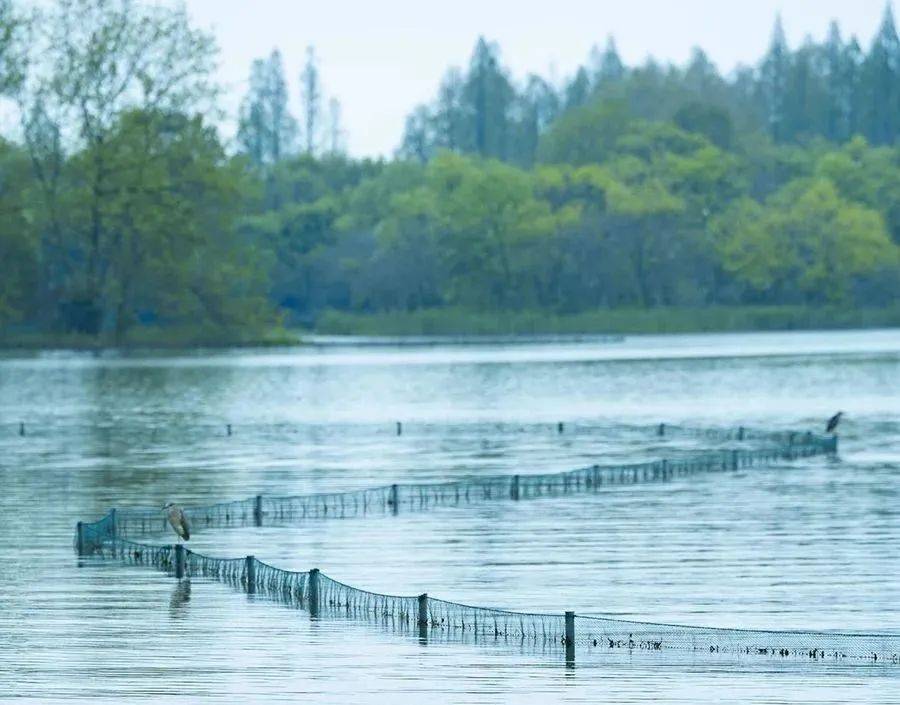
(810, 544)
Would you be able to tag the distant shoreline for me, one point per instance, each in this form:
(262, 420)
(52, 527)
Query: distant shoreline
(453, 326)
(603, 323)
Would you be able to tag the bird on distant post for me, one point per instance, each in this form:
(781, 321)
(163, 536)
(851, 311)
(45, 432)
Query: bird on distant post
(833, 422)
(178, 519)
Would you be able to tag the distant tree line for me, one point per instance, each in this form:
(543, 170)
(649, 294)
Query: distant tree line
(834, 90)
(124, 209)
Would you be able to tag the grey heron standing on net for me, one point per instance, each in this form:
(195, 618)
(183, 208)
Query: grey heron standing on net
(178, 519)
(833, 422)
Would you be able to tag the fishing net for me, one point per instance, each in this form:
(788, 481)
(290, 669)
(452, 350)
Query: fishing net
(274, 511)
(598, 635)
(436, 619)
(452, 617)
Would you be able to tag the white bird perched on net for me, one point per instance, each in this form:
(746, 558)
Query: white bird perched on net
(178, 519)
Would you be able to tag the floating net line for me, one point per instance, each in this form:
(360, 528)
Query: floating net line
(599, 634)
(436, 619)
(153, 429)
(410, 497)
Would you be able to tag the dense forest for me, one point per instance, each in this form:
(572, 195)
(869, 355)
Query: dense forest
(621, 189)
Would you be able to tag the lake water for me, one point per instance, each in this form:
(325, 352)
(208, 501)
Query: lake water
(811, 544)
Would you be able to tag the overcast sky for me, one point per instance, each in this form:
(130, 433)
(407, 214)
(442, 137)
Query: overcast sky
(380, 58)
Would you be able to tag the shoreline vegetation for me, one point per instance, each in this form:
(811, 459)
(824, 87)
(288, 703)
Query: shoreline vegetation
(621, 200)
(479, 324)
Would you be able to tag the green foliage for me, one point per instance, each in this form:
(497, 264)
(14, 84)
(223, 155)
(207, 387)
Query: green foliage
(806, 243)
(461, 322)
(635, 199)
(18, 245)
(585, 135)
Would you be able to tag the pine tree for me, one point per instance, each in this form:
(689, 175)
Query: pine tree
(881, 83)
(805, 98)
(450, 122)
(266, 128)
(418, 138)
(311, 92)
(252, 127)
(853, 66)
(701, 76)
(839, 94)
(488, 96)
(536, 107)
(578, 90)
(608, 67)
(335, 130)
(283, 125)
(773, 81)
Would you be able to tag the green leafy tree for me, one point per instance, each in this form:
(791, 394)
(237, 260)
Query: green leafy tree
(808, 244)
(19, 249)
(171, 212)
(101, 59)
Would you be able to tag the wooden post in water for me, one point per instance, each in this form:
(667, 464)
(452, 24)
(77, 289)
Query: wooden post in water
(394, 500)
(251, 575)
(399, 428)
(79, 538)
(514, 488)
(114, 531)
(740, 433)
(257, 510)
(570, 639)
(734, 459)
(314, 592)
(665, 468)
(179, 561)
(228, 428)
(21, 428)
(422, 619)
(560, 427)
(661, 431)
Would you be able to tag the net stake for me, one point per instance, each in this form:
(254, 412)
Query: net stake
(423, 618)
(257, 510)
(314, 592)
(251, 575)
(179, 561)
(399, 428)
(21, 428)
(570, 639)
(393, 500)
(79, 538)
(514, 488)
(228, 428)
